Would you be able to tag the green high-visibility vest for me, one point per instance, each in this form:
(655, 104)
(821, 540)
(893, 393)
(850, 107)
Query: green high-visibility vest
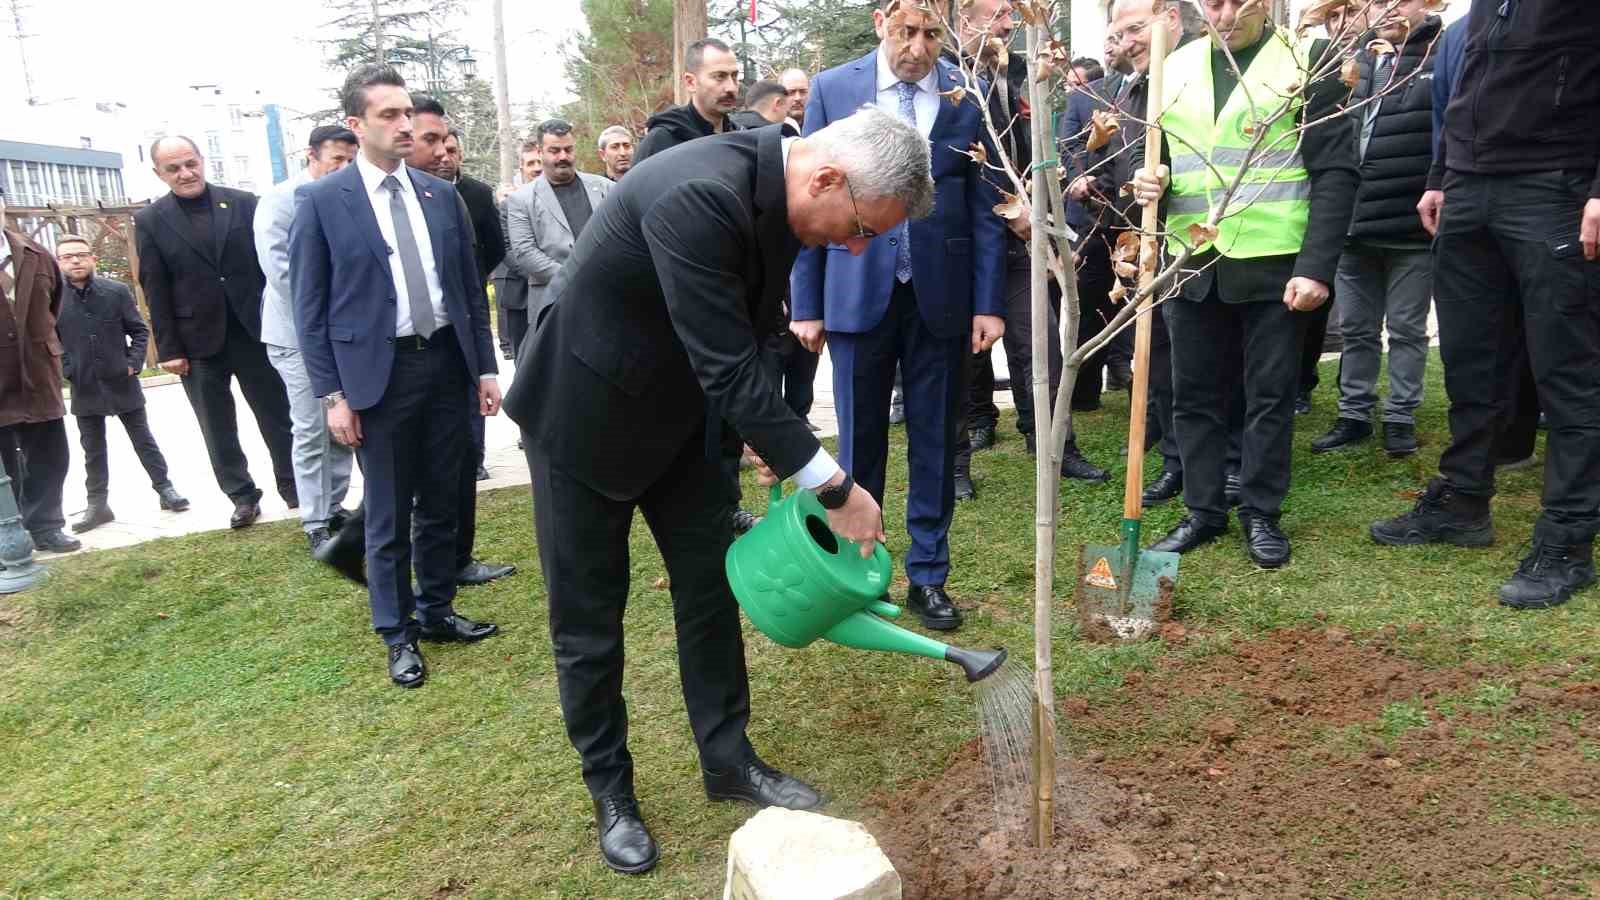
(1268, 213)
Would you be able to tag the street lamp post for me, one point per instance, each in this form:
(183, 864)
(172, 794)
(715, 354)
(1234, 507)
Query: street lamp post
(435, 62)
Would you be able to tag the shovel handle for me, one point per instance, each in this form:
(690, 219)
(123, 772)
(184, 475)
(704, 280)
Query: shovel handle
(1149, 259)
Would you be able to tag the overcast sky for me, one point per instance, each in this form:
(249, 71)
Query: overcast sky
(136, 51)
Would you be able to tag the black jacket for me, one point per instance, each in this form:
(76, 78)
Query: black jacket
(1529, 95)
(190, 287)
(676, 125)
(102, 337)
(489, 240)
(652, 317)
(1330, 160)
(1394, 171)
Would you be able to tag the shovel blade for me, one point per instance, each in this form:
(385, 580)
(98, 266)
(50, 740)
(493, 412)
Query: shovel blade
(1111, 606)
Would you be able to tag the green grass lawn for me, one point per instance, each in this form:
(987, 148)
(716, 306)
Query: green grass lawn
(209, 716)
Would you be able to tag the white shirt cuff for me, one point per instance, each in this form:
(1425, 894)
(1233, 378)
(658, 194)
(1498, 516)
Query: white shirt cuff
(483, 378)
(816, 472)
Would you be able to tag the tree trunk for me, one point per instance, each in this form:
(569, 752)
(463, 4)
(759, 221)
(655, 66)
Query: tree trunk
(688, 26)
(377, 34)
(502, 98)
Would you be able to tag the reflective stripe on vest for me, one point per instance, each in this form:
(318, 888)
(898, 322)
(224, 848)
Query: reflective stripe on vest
(1268, 213)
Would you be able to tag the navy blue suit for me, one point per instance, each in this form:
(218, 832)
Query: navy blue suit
(408, 393)
(873, 321)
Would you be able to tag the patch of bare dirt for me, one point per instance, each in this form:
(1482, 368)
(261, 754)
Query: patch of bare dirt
(1267, 772)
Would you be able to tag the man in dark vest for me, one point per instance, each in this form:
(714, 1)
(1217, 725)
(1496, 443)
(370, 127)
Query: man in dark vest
(103, 340)
(1386, 272)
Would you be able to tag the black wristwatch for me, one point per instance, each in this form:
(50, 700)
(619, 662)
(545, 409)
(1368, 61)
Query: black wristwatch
(833, 497)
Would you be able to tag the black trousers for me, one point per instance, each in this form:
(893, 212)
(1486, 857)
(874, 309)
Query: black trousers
(467, 503)
(1520, 436)
(513, 328)
(1311, 346)
(1095, 309)
(583, 549)
(1158, 430)
(209, 386)
(412, 451)
(35, 455)
(796, 369)
(1516, 236)
(92, 435)
(1206, 339)
(1018, 340)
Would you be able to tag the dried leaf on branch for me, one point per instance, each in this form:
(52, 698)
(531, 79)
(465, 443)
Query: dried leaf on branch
(1349, 73)
(995, 49)
(1011, 206)
(1118, 293)
(1101, 128)
(1127, 247)
(1034, 13)
(1317, 13)
(1379, 46)
(1125, 269)
(954, 95)
(978, 153)
(1202, 233)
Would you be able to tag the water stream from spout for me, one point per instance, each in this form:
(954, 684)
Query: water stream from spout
(1005, 721)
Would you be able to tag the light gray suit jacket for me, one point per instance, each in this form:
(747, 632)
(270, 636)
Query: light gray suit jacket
(274, 214)
(538, 236)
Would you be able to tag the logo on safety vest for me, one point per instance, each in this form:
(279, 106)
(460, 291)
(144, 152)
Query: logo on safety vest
(1100, 575)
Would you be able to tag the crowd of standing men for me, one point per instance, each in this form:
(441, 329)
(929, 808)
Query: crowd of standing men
(667, 317)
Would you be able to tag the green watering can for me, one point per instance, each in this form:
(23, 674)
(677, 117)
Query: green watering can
(798, 581)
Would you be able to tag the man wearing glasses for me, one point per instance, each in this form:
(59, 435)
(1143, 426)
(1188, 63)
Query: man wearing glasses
(925, 294)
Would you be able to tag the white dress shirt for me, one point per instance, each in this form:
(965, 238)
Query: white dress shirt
(822, 466)
(372, 179)
(926, 100)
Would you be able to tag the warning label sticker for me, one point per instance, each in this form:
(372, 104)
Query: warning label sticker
(1100, 575)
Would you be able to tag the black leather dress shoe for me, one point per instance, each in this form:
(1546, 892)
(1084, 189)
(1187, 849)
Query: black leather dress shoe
(346, 551)
(1266, 543)
(625, 844)
(316, 537)
(457, 629)
(758, 783)
(1230, 489)
(981, 437)
(933, 606)
(483, 474)
(171, 499)
(964, 488)
(1074, 466)
(1399, 438)
(1164, 488)
(1344, 433)
(1188, 534)
(406, 666)
(245, 512)
(476, 572)
(96, 515)
(56, 541)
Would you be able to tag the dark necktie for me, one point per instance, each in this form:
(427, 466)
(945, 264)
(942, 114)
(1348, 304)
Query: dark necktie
(422, 321)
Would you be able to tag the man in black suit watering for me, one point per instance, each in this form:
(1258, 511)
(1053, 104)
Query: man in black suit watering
(650, 345)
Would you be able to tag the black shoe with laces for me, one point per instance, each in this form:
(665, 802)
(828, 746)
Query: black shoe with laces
(1074, 466)
(1344, 433)
(964, 488)
(1167, 486)
(981, 437)
(1442, 515)
(626, 844)
(758, 783)
(1549, 574)
(1266, 543)
(1399, 439)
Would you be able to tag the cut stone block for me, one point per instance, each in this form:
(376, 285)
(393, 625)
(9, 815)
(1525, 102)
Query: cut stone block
(783, 854)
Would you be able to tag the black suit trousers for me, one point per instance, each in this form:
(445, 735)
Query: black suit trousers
(1209, 340)
(583, 549)
(35, 456)
(414, 445)
(209, 386)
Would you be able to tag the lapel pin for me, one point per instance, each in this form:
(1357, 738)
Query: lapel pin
(428, 194)
(223, 205)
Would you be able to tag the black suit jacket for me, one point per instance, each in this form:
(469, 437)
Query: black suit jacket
(489, 240)
(654, 321)
(189, 287)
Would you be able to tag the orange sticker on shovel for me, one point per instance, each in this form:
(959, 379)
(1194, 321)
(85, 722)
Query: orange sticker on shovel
(1100, 575)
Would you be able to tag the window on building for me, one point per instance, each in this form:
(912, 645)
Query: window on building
(218, 174)
(214, 144)
(235, 117)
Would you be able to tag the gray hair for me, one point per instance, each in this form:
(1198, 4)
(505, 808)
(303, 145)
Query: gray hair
(613, 131)
(883, 156)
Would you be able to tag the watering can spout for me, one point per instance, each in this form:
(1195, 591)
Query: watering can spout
(978, 664)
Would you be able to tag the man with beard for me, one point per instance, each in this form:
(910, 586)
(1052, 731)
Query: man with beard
(711, 74)
(545, 217)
